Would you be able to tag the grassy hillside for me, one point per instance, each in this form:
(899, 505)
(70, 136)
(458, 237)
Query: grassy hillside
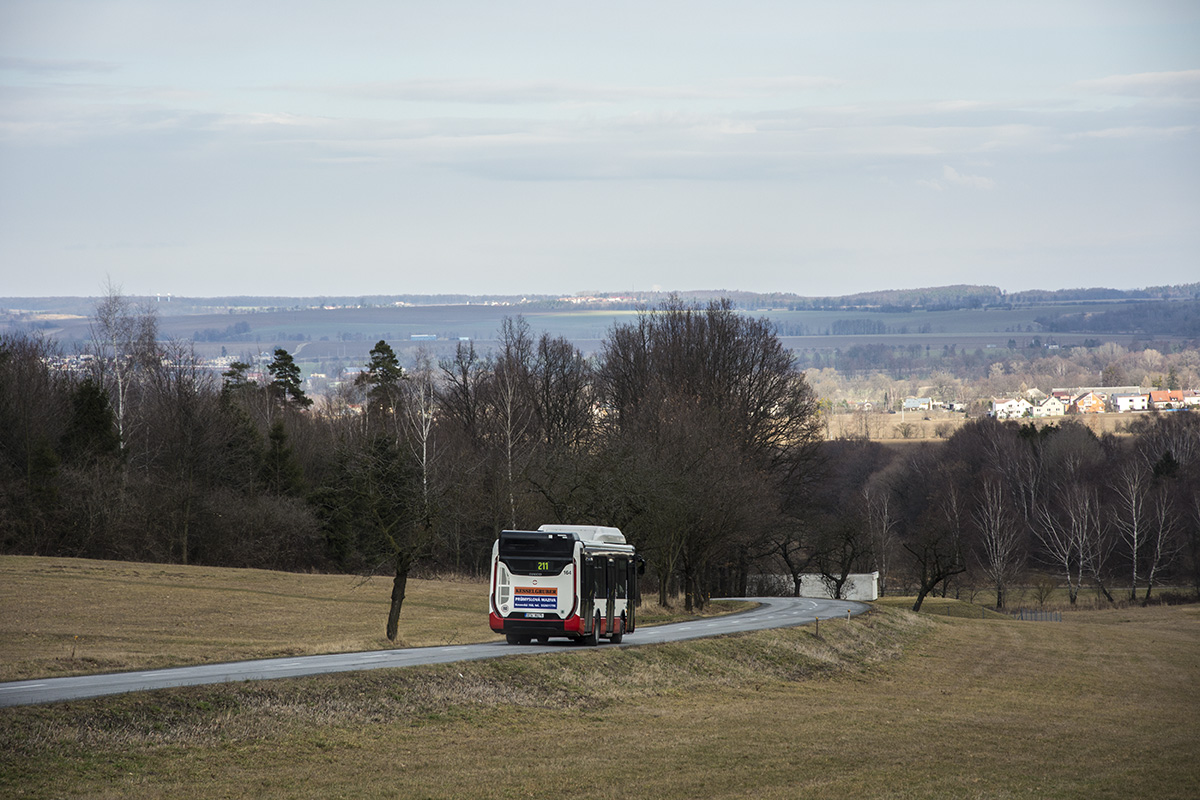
(887, 705)
(891, 704)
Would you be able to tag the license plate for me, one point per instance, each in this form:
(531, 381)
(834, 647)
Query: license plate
(535, 616)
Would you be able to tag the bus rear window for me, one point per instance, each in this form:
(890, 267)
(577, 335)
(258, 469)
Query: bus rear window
(530, 553)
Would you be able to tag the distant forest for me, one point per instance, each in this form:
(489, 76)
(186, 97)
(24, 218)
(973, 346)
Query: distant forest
(1155, 319)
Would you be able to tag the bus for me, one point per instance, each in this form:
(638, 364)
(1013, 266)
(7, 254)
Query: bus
(574, 581)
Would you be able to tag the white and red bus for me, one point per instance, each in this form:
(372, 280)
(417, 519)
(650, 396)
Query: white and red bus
(573, 581)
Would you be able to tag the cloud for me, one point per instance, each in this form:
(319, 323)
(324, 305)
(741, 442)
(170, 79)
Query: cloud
(1139, 132)
(952, 177)
(957, 178)
(1185, 83)
(566, 92)
(46, 66)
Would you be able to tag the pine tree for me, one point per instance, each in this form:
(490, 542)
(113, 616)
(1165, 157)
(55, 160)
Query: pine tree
(92, 431)
(383, 377)
(281, 473)
(285, 383)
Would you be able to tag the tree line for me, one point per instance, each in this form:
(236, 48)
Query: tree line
(999, 504)
(693, 430)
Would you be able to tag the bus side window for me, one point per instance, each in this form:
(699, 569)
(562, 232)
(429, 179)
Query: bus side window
(600, 588)
(622, 577)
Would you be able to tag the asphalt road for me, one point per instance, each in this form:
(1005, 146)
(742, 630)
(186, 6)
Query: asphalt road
(773, 612)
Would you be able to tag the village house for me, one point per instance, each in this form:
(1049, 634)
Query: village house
(1087, 403)
(1050, 407)
(1162, 399)
(918, 403)
(1008, 408)
(1122, 403)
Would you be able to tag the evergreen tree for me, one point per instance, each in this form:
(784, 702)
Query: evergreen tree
(235, 378)
(91, 432)
(281, 473)
(383, 377)
(285, 383)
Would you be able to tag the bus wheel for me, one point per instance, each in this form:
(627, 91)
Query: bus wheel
(619, 634)
(513, 638)
(593, 638)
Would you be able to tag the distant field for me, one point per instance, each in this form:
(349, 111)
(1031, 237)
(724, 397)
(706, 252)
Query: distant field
(349, 333)
(938, 425)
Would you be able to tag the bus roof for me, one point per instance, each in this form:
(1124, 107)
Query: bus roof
(588, 533)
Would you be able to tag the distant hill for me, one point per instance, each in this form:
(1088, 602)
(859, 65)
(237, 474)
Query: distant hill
(935, 298)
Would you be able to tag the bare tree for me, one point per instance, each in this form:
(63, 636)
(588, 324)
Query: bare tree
(1161, 543)
(1065, 529)
(794, 549)
(511, 402)
(933, 520)
(738, 390)
(1128, 489)
(881, 523)
(1170, 436)
(124, 344)
(999, 538)
(420, 407)
(563, 397)
(182, 400)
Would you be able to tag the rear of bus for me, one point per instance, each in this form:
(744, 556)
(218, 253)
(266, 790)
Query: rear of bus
(535, 585)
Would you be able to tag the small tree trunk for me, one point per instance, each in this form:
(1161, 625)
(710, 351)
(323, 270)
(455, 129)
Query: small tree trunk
(187, 516)
(398, 585)
(920, 598)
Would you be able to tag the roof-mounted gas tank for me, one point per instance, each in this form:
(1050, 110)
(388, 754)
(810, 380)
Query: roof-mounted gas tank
(588, 533)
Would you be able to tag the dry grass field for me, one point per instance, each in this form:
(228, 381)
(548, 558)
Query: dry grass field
(891, 704)
(67, 616)
(940, 425)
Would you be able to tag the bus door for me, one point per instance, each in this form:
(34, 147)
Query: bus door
(593, 591)
(633, 568)
(613, 579)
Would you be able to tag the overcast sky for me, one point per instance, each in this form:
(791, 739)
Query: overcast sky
(301, 147)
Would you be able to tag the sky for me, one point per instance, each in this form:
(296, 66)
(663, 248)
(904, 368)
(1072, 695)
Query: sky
(477, 146)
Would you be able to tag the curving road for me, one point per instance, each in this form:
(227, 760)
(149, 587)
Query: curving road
(772, 612)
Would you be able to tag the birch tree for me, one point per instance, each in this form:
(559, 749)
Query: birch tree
(1128, 496)
(1064, 529)
(124, 344)
(999, 538)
